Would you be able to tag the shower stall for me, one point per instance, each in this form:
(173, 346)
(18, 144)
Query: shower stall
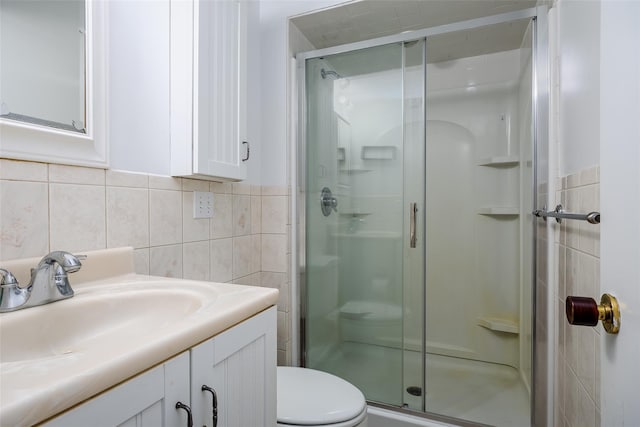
(417, 178)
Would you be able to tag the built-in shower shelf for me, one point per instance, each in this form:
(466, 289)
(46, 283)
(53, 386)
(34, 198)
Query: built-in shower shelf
(354, 214)
(499, 211)
(321, 261)
(499, 161)
(499, 324)
(355, 171)
(378, 152)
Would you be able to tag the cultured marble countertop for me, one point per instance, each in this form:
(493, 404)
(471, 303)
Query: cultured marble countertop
(135, 322)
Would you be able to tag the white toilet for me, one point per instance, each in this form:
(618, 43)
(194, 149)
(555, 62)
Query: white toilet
(307, 397)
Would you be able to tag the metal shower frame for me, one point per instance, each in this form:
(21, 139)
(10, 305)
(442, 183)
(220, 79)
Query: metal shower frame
(541, 362)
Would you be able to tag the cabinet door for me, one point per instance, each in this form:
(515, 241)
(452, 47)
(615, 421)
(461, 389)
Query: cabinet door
(240, 365)
(208, 88)
(147, 400)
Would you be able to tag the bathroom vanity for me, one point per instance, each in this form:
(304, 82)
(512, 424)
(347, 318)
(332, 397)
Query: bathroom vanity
(134, 350)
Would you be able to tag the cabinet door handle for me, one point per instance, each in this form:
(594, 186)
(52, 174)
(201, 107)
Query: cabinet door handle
(248, 152)
(214, 397)
(181, 405)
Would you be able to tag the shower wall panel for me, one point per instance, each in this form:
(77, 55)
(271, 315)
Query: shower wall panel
(473, 194)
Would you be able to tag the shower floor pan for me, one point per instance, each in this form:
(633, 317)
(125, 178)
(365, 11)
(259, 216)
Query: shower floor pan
(476, 391)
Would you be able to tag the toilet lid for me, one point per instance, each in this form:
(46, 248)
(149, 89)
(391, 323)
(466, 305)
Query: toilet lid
(310, 397)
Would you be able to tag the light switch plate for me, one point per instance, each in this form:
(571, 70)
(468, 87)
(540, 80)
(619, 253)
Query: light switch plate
(202, 204)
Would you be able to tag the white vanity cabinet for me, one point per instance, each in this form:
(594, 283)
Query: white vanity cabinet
(147, 400)
(239, 364)
(209, 88)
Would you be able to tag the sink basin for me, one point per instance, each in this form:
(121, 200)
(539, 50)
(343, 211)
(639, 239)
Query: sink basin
(79, 324)
(57, 355)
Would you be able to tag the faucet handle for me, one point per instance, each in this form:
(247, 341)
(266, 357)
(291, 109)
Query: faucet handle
(7, 278)
(12, 295)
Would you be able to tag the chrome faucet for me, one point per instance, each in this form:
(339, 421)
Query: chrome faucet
(49, 282)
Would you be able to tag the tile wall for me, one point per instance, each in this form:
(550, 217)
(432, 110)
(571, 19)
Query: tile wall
(543, 336)
(46, 207)
(578, 347)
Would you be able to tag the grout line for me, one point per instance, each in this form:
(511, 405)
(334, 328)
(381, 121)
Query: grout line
(48, 211)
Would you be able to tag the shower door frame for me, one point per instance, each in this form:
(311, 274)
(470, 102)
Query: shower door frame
(540, 110)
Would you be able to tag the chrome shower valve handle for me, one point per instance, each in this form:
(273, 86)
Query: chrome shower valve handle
(328, 202)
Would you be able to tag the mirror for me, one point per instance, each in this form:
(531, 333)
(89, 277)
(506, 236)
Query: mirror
(42, 62)
(52, 81)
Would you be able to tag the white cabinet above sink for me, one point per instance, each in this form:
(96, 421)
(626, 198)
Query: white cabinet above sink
(178, 98)
(209, 89)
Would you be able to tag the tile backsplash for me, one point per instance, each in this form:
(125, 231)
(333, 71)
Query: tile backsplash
(45, 207)
(578, 347)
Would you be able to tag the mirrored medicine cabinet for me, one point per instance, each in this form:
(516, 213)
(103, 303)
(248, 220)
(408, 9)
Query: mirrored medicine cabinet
(53, 81)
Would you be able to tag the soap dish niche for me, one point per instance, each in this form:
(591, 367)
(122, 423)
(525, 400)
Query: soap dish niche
(378, 152)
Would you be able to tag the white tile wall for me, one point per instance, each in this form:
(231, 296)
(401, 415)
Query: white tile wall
(221, 251)
(275, 259)
(165, 217)
(241, 215)
(46, 207)
(222, 221)
(127, 217)
(77, 215)
(166, 261)
(541, 311)
(578, 357)
(24, 212)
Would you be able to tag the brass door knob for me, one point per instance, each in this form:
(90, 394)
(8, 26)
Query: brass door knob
(584, 311)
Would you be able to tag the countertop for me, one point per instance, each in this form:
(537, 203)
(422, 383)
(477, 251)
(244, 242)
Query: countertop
(34, 388)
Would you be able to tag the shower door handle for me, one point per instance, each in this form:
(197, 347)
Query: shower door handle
(413, 238)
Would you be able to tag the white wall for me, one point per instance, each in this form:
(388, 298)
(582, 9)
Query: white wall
(254, 107)
(577, 86)
(139, 133)
(620, 194)
(579, 78)
(275, 90)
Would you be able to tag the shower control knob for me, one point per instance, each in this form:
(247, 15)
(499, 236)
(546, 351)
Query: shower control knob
(583, 311)
(328, 202)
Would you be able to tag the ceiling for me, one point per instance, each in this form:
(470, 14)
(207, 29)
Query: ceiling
(367, 19)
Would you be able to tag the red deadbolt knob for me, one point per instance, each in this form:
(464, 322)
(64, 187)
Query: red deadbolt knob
(582, 311)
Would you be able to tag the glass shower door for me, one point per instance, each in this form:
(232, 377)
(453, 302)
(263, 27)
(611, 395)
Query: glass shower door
(478, 257)
(364, 269)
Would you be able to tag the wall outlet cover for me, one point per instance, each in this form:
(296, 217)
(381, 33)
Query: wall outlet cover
(202, 204)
